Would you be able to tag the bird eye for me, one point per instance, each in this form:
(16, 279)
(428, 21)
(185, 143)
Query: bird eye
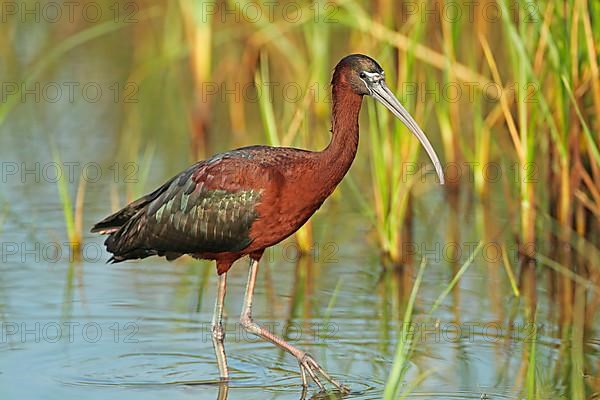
(362, 75)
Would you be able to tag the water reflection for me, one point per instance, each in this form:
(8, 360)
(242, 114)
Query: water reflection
(223, 391)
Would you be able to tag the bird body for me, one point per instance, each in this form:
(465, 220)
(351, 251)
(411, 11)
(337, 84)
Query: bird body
(243, 201)
(235, 203)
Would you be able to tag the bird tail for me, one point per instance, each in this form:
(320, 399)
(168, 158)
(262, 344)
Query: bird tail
(115, 221)
(123, 228)
(128, 241)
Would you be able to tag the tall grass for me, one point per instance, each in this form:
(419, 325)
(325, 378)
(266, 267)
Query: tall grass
(405, 345)
(198, 28)
(392, 151)
(73, 214)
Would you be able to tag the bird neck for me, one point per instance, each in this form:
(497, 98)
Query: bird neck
(337, 158)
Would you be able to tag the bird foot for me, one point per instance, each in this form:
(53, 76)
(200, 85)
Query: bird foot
(308, 366)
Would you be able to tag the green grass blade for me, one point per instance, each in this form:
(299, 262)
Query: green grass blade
(265, 102)
(65, 198)
(456, 278)
(405, 344)
(586, 129)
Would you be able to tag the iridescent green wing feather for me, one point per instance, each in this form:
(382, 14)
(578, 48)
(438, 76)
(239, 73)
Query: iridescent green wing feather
(205, 209)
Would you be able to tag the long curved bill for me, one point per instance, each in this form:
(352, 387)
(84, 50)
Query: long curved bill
(382, 94)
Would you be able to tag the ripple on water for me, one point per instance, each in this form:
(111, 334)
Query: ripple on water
(461, 395)
(265, 371)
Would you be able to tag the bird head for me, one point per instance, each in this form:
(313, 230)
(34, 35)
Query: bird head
(365, 77)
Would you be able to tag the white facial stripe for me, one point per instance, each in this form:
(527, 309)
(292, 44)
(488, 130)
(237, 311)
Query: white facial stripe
(372, 78)
(368, 88)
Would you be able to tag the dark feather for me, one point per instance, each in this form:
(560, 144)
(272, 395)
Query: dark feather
(201, 210)
(113, 222)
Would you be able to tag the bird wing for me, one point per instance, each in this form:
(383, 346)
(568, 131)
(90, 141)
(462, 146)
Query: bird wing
(208, 208)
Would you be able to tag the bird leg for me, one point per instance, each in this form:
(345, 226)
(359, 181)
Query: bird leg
(307, 363)
(218, 333)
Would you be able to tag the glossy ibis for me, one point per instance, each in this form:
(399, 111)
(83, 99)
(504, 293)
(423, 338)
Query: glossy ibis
(242, 201)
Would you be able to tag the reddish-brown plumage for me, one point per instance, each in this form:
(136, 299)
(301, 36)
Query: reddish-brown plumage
(294, 182)
(241, 202)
